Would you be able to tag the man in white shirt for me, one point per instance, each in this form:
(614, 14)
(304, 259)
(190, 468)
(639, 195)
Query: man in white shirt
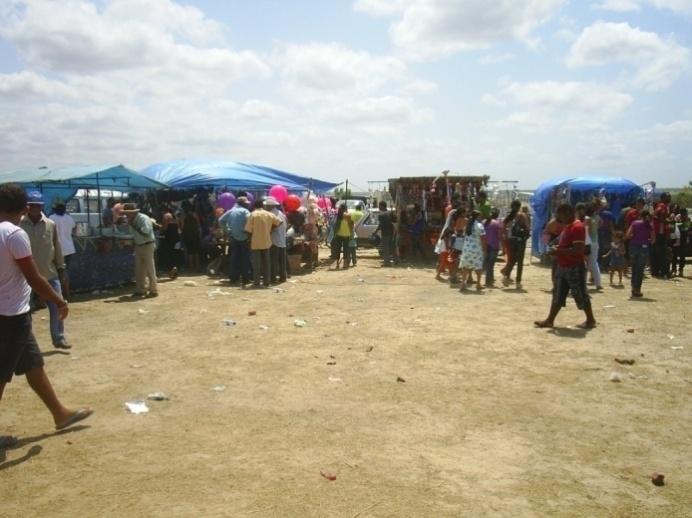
(64, 225)
(19, 352)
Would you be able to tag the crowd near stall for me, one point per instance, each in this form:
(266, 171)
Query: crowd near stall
(256, 226)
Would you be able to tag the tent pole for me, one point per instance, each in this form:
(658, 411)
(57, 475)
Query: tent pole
(98, 202)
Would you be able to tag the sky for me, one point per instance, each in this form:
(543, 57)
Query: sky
(365, 90)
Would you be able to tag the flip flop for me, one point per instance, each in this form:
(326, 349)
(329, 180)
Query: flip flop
(586, 325)
(79, 415)
(7, 441)
(542, 325)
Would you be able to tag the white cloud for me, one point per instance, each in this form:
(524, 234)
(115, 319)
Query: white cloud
(494, 59)
(325, 69)
(620, 6)
(658, 62)
(74, 36)
(549, 105)
(436, 28)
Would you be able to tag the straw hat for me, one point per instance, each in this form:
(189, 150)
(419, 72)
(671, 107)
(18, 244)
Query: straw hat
(130, 208)
(270, 201)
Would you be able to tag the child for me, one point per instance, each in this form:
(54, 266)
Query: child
(442, 249)
(616, 256)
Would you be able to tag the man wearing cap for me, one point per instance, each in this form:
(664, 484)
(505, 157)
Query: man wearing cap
(234, 222)
(278, 237)
(48, 257)
(19, 352)
(142, 231)
(260, 224)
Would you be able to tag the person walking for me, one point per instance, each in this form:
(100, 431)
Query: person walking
(571, 270)
(64, 225)
(259, 225)
(234, 222)
(517, 227)
(474, 251)
(142, 231)
(47, 254)
(19, 275)
(641, 235)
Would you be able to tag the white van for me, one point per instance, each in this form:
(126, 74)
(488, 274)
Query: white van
(86, 210)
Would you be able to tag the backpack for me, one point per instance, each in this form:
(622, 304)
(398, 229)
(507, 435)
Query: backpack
(518, 231)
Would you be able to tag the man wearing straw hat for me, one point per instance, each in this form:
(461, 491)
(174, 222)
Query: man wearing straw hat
(142, 231)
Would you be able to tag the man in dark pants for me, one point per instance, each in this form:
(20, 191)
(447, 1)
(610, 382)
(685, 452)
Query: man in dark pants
(259, 225)
(19, 352)
(234, 221)
(278, 235)
(386, 230)
(660, 266)
(571, 269)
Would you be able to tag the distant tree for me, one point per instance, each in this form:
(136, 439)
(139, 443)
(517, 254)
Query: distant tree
(684, 196)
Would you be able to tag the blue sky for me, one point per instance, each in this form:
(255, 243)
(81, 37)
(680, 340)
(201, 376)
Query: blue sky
(365, 89)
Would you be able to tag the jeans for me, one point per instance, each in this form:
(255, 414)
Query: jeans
(517, 247)
(57, 326)
(638, 256)
(261, 266)
(490, 259)
(240, 261)
(660, 266)
(592, 263)
(417, 247)
(278, 266)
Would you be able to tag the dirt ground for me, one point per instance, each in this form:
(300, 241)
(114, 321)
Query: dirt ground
(490, 416)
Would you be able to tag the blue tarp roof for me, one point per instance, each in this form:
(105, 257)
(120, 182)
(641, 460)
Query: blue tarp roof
(110, 176)
(619, 192)
(188, 174)
(63, 182)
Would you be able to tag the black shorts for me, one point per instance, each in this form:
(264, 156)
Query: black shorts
(19, 352)
(571, 280)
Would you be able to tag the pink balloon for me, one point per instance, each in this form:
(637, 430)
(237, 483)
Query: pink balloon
(322, 203)
(279, 193)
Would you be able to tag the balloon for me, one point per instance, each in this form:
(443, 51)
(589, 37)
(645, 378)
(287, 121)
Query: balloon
(291, 203)
(250, 198)
(226, 201)
(279, 193)
(322, 203)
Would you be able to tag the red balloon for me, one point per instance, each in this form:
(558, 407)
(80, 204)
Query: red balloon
(292, 203)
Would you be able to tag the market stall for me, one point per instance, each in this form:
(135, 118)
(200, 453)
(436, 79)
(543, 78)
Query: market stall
(618, 193)
(103, 257)
(432, 194)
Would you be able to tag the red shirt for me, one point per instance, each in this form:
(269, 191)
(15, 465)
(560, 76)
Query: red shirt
(573, 233)
(661, 219)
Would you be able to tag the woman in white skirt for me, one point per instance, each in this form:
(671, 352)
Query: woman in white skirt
(474, 251)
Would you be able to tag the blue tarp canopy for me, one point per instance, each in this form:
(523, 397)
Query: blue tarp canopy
(63, 182)
(189, 174)
(619, 192)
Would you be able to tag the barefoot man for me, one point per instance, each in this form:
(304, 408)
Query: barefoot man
(19, 352)
(570, 275)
